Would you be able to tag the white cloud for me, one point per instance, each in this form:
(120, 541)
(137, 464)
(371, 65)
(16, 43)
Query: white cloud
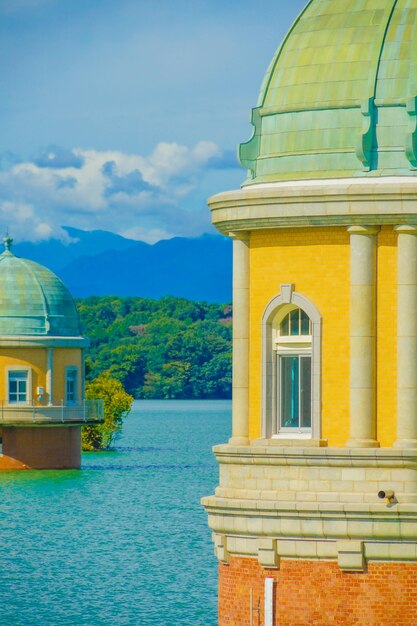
(22, 221)
(151, 235)
(144, 197)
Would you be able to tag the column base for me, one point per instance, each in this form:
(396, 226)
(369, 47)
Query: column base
(239, 441)
(406, 443)
(362, 443)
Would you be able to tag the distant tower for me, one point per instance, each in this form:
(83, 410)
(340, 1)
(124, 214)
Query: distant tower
(41, 369)
(315, 517)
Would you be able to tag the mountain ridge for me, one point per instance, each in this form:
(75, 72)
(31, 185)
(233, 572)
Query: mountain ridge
(97, 263)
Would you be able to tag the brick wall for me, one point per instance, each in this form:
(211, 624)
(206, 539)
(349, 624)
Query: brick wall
(312, 593)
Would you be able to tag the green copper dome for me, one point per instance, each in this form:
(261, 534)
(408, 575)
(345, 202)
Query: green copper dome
(340, 96)
(33, 301)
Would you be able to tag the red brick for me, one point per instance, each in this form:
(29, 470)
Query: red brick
(318, 593)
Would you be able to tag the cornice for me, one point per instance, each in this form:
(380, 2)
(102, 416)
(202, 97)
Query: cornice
(27, 341)
(320, 456)
(342, 202)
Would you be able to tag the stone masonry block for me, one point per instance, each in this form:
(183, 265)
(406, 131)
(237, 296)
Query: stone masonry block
(220, 547)
(267, 552)
(350, 556)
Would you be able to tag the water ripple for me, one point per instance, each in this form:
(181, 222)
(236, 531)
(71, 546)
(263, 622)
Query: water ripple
(112, 468)
(120, 542)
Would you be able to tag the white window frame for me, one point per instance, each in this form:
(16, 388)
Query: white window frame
(273, 345)
(288, 431)
(19, 368)
(288, 345)
(72, 369)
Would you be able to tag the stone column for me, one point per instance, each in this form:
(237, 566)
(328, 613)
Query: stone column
(240, 398)
(49, 376)
(363, 248)
(407, 338)
(81, 396)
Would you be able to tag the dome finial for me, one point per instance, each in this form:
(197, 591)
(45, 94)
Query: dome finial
(7, 240)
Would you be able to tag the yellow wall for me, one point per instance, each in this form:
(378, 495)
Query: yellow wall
(317, 261)
(35, 358)
(64, 357)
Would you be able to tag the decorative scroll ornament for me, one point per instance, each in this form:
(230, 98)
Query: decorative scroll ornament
(364, 148)
(248, 151)
(411, 136)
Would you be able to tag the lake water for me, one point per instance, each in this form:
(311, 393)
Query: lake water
(125, 540)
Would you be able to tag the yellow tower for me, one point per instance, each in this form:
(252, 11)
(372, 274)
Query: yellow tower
(315, 517)
(41, 369)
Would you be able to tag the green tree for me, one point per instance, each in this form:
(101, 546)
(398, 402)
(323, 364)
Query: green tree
(171, 348)
(170, 383)
(117, 404)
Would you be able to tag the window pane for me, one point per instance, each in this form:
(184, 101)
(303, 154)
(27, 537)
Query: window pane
(285, 326)
(18, 374)
(71, 385)
(18, 386)
(21, 391)
(289, 391)
(305, 391)
(305, 324)
(70, 391)
(295, 322)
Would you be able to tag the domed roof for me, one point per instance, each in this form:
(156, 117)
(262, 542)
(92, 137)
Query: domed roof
(33, 301)
(340, 96)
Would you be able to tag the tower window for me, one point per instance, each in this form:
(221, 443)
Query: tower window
(295, 324)
(291, 367)
(71, 386)
(295, 391)
(293, 380)
(18, 387)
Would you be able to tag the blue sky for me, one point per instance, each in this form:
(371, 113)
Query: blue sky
(125, 115)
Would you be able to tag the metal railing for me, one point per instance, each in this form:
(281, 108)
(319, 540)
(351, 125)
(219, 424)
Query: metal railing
(89, 412)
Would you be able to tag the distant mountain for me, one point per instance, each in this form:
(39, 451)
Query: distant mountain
(56, 255)
(103, 263)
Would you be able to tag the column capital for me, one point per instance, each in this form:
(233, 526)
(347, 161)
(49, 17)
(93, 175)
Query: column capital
(356, 229)
(408, 229)
(240, 235)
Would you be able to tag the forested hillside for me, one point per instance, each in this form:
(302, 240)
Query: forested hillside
(168, 348)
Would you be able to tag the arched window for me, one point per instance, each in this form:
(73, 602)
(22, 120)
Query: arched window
(291, 367)
(292, 343)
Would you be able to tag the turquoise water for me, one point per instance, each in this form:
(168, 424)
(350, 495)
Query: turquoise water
(124, 541)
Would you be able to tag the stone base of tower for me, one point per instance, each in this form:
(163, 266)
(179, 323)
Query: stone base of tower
(53, 447)
(311, 520)
(318, 593)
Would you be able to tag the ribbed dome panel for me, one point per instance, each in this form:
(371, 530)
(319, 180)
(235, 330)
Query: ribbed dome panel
(339, 98)
(33, 301)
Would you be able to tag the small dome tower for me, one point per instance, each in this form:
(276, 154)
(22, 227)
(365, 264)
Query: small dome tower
(41, 368)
